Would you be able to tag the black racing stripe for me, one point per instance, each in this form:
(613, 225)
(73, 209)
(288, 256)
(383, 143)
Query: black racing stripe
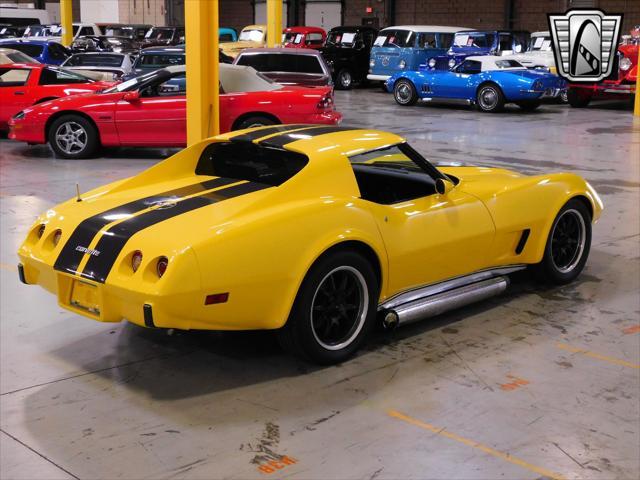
(263, 132)
(282, 140)
(69, 258)
(114, 240)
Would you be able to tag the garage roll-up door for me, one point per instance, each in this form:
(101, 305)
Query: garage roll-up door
(325, 14)
(260, 13)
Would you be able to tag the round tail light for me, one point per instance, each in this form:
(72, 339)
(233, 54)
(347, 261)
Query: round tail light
(41, 229)
(161, 266)
(136, 260)
(57, 235)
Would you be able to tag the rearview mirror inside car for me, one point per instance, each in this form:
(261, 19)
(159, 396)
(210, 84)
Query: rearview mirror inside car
(443, 187)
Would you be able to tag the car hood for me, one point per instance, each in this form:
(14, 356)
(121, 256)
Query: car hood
(72, 101)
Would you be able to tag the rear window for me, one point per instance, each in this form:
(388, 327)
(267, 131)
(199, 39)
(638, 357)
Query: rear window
(282, 62)
(160, 60)
(13, 77)
(100, 60)
(248, 161)
(31, 50)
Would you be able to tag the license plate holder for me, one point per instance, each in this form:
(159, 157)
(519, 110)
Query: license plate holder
(85, 296)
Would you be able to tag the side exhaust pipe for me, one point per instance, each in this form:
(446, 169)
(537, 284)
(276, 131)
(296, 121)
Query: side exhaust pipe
(442, 302)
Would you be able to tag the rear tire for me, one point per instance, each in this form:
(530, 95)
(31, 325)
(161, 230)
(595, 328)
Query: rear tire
(73, 137)
(404, 93)
(334, 310)
(568, 245)
(490, 98)
(255, 121)
(529, 105)
(577, 98)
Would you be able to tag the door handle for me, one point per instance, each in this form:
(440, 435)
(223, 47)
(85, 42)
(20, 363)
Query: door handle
(18, 93)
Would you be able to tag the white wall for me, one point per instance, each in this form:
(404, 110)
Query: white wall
(99, 11)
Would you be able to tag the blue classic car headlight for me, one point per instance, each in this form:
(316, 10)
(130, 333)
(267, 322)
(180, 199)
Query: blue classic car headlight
(452, 63)
(372, 62)
(402, 64)
(432, 63)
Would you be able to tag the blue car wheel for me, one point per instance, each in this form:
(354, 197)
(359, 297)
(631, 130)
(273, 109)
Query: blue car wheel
(490, 98)
(405, 93)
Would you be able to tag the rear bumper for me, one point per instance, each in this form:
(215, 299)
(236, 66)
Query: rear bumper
(546, 93)
(606, 88)
(326, 118)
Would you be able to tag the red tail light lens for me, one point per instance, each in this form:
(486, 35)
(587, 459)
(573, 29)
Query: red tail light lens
(57, 235)
(136, 260)
(161, 266)
(326, 103)
(216, 298)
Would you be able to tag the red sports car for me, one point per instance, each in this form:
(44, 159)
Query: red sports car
(150, 111)
(25, 84)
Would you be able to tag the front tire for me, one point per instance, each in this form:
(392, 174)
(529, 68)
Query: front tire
(73, 137)
(568, 244)
(405, 93)
(255, 121)
(344, 79)
(490, 98)
(334, 310)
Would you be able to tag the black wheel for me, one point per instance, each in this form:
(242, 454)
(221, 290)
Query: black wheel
(568, 244)
(344, 79)
(529, 105)
(405, 93)
(578, 98)
(334, 310)
(490, 98)
(73, 136)
(255, 121)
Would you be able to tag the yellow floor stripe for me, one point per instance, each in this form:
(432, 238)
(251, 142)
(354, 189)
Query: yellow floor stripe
(588, 353)
(10, 268)
(471, 443)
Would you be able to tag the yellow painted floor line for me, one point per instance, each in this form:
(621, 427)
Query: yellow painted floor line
(604, 358)
(471, 443)
(10, 268)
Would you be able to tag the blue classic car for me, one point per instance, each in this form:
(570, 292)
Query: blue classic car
(491, 42)
(44, 51)
(226, 34)
(486, 81)
(407, 47)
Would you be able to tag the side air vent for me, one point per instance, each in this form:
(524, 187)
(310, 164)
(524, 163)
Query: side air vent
(523, 241)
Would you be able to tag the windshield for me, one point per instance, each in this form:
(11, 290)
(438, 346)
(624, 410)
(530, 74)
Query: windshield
(41, 31)
(394, 38)
(119, 32)
(62, 75)
(341, 38)
(137, 82)
(478, 40)
(540, 44)
(159, 33)
(292, 37)
(18, 57)
(251, 36)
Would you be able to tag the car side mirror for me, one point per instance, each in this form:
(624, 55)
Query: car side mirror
(132, 96)
(443, 187)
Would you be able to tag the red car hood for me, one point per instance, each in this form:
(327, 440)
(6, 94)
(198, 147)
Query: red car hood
(75, 100)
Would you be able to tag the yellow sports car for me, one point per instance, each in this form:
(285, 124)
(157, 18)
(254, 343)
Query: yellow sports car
(314, 231)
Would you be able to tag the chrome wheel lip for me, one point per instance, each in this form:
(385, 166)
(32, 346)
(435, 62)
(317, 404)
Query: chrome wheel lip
(488, 98)
(403, 93)
(582, 240)
(69, 135)
(362, 309)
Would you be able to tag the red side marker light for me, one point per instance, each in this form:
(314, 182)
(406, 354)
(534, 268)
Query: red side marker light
(216, 298)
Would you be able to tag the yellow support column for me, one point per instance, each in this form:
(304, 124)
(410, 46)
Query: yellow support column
(202, 63)
(66, 19)
(274, 23)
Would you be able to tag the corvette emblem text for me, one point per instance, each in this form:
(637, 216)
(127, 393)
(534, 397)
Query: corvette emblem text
(90, 251)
